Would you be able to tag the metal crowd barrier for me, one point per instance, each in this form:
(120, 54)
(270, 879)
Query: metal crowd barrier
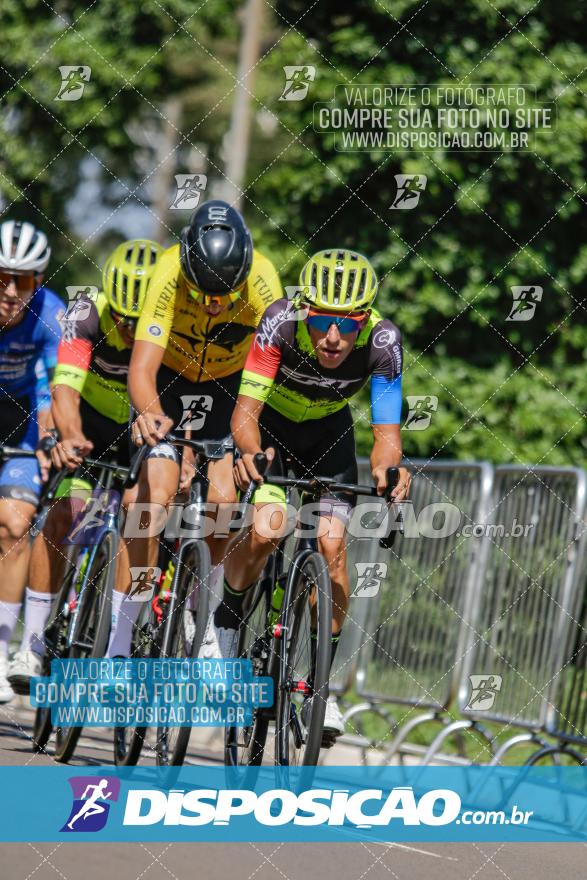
(412, 632)
(524, 614)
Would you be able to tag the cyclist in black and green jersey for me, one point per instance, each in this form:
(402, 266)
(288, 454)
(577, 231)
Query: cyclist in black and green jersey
(307, 359)
(90, 410)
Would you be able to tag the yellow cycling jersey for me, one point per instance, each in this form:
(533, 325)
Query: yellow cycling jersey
(198, 346)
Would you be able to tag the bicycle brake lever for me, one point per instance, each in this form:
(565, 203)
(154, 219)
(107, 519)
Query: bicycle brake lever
(261, 463)
(392, 478)
(135, 466)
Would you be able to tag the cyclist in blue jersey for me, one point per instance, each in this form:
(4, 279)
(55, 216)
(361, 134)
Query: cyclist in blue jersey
(29, 336)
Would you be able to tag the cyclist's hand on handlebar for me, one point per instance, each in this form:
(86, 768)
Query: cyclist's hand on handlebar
(401, 491)
(71, 451)
(244, 469)
(150, 428)
(47, 441)
(44, 459)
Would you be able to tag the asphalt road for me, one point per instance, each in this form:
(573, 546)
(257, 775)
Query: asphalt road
(258, 861)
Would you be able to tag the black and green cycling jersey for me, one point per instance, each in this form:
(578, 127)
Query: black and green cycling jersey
(93, 359)
(283, 371)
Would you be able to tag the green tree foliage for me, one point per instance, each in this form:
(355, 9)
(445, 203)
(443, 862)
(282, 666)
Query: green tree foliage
(140, 55)
(508, 391)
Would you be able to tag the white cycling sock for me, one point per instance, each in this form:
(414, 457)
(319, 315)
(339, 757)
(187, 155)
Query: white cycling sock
(8, 618)
(216, 585)
(36, 611)
(124, 615)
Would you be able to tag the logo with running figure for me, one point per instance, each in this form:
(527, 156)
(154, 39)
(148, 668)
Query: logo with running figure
(73, 81)
(297, 82)
(195, 411)
(484, 690)
(409, 189)
(369, 577)
(144, 579)
(80, 299)
(189, 190)
(524, 303)
(91, 797)
(87, 527)
(421, 407)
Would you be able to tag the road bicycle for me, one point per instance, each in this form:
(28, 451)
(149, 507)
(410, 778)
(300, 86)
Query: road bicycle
(78, 626)
(290, 608)
(186, 612)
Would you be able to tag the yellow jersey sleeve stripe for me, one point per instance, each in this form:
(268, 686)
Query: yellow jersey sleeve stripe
(68, 374)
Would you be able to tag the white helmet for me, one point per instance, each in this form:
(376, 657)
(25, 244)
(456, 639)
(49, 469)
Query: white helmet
(23, 248)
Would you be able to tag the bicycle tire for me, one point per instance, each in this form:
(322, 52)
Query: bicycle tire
(54, 633)
(129, 741)
(245, 746)
(193, 564)
(311, 576)
(95, 609)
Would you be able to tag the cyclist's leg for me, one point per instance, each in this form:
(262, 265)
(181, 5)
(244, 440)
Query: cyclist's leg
(50, 548)
(250, 550)
(142, 527)
(19, 492)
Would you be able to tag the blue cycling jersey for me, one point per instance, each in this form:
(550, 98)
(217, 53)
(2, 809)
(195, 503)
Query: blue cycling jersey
(35, 338)
(28, 355)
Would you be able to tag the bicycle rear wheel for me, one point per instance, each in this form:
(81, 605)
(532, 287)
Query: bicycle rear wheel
(246, 745)
(183, 634)
(92, 628)
(299, 740)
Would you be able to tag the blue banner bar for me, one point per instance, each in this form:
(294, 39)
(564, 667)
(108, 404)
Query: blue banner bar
(320, 804)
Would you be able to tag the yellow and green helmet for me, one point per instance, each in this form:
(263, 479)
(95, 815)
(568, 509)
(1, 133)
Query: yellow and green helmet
(338, 281)
(127, 273)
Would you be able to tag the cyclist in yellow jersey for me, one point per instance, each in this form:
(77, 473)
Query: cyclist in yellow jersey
(202, 309)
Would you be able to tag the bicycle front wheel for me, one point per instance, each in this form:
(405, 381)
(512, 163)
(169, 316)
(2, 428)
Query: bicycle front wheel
(55, 637)
(92, 627)
(305, 668)
(183, 635)
(246, 745)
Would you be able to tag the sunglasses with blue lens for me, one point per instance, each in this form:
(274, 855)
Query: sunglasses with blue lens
(345, 324)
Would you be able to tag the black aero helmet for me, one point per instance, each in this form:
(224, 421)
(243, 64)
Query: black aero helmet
(216, 249)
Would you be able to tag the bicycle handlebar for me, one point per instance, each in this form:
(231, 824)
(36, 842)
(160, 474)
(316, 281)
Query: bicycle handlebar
(318, 485)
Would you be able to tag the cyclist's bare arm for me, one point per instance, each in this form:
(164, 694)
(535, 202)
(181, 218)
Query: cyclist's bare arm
(386, 453)
(152, 424)
(73, 445)
(244, 426)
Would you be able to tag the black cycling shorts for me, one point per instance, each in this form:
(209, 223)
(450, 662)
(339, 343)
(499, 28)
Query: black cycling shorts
(316, 448)
(111, 439)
